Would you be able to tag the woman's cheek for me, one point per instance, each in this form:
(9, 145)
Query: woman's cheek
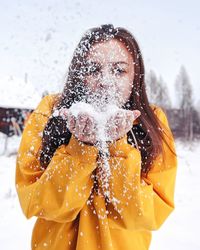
(122, 91)
(127, 89)
(91, 84)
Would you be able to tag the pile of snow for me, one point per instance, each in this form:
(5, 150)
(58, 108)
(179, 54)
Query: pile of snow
(9, 145)
(17, 93)
(181, 228)
(15, 229)
(100, 118)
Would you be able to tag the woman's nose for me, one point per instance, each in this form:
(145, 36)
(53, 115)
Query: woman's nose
(105, 85)
(106, 81)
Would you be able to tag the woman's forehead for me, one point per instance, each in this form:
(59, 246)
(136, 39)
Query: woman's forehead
(109, 51)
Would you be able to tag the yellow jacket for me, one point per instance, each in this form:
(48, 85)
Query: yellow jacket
(59, 195)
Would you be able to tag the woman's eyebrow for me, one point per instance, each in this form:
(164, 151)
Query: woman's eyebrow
(120, 62)
(113, 63)
(94, 63)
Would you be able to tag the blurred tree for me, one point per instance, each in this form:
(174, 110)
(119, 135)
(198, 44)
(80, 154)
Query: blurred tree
(164, 99)
(157, 90)
(185, 101)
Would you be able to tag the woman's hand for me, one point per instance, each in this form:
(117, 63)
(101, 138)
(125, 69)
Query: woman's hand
(83, 126)
(120, 123)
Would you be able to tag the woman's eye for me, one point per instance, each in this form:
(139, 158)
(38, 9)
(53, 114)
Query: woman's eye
(119, 71)
(94, 70)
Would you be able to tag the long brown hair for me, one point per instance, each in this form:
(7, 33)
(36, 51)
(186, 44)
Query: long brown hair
(147, 132)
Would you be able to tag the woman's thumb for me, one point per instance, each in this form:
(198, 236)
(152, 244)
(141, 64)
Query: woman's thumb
(136, 113)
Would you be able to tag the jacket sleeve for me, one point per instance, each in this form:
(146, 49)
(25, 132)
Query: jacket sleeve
(60, 191)
(141, 203)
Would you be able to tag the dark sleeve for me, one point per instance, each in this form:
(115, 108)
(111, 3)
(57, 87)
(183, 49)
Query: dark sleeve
(55, 134)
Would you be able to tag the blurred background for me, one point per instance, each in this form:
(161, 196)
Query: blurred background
(37, 41)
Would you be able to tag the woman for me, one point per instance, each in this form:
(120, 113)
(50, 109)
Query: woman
(58, 171)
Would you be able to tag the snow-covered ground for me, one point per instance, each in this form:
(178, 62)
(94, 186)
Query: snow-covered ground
(178, 232)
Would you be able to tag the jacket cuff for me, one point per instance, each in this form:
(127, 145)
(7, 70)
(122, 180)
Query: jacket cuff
(88, 153)
(121, 147)
(85, 153)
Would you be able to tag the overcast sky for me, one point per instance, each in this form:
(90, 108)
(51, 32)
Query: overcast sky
(39, 37)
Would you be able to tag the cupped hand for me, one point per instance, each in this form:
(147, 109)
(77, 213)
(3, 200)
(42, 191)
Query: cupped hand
(121, 123)
(83, 127)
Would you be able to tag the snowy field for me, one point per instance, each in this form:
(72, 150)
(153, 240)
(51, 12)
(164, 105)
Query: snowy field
(179, 232)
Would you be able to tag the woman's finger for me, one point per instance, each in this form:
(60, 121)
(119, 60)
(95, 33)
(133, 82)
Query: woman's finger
(89, 131)
(112, 131)
(119, 125)
(63, 112)
(119, 118)
(124, 122)
(131, 117)
(71, 122)
(91, 138)
(80, 125)
(136, 113)
(89, 126)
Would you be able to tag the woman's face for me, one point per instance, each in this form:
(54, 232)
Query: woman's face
(110, 72)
